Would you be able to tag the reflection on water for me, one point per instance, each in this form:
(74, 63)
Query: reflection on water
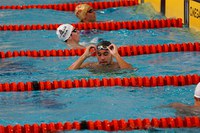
(15, 67)
(48, 101)
(113, 72)
(148, 10)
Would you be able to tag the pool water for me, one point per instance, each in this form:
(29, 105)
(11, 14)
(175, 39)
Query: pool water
(100, 103)
(91, 104)
(54, 68)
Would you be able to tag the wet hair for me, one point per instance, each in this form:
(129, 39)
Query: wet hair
(103, 45)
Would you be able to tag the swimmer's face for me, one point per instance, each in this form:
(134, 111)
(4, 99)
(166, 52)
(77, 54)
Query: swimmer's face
(75, 35)
(90, 15)
(104, 57)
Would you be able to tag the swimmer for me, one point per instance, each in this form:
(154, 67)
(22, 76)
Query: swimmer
(105, 52)
(187, 110)
(70, 35)
(85, 13)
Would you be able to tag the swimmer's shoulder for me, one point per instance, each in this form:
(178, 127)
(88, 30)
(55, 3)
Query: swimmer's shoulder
(178, 105)
(88, 65)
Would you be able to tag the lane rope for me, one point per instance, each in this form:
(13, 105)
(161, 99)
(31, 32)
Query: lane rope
(71, 6)
(131, 50)
(113, 125)
(106, 125)
(106, 26)
(153, 81)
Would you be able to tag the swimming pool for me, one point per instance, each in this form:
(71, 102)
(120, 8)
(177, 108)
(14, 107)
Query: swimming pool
(98, 103)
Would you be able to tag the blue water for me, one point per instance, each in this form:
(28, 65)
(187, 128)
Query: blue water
(33, 16)
(91, 103)
(54, 68)
(36, 40)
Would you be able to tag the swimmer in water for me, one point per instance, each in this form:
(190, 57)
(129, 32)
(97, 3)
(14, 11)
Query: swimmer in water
(188, 110)
(85, 13)
(70, 35)
(105, 52)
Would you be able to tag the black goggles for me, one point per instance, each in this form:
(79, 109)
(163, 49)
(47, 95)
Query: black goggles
(90, 11)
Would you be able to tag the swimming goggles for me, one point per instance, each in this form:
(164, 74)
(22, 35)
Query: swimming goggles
(102, 47)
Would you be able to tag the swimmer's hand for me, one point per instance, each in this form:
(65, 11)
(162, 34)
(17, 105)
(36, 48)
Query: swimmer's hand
(122, 63)
(91, 49)
(113, 49)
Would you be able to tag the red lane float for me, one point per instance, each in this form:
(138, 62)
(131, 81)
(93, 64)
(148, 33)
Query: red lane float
(106, 125)
(107, 26)
(123, 50)
(179, 80)
(71, 6)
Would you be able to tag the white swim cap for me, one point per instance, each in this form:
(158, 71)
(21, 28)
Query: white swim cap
(64, 31)
(197, 91)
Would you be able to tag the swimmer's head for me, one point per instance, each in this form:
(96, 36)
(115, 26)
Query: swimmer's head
(103, 45)
(103, 55)
(64, 31)
(197, 91)
(82, 10)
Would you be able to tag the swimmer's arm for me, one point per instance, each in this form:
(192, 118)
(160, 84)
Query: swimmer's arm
(78, 63)
(122, 63)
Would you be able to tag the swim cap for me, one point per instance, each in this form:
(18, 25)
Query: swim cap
(64, 31)
(103, 45)
(81, 10)
(197, 91)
